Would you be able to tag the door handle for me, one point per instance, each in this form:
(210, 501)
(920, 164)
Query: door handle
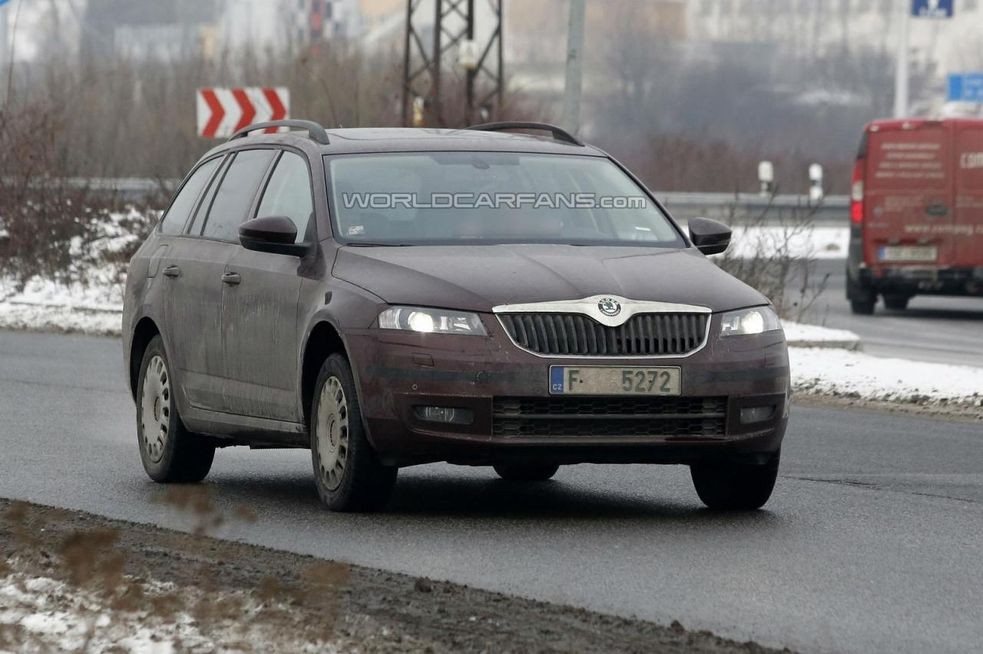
(172, 271)
(231, 278)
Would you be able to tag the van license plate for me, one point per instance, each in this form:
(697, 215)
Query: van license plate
(598, 380)
(920, 253)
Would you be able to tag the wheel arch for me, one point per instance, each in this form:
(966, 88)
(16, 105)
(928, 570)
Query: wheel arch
(144, 332)
(323, 340)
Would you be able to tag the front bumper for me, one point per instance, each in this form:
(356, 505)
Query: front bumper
(399, 371)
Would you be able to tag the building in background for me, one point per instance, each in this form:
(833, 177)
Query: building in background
(315, 21)
(144, 29)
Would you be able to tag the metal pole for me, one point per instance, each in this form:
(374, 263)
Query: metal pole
(901, 69)
(435, 99)
(4, 50)
(407, 97)
(574, 74)
(472, 72)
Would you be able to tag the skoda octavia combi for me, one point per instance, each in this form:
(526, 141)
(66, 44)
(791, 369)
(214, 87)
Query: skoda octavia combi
(502, 295)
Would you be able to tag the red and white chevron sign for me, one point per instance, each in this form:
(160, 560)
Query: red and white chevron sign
(222, 112)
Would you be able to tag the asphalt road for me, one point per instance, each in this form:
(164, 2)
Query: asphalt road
(872, 542)
(937, 329)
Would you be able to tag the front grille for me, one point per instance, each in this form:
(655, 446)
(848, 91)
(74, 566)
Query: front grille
(609, 416)
(580, 335)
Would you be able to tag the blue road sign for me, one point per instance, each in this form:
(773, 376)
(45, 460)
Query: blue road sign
(932, 8)
(3, 2)
(966, 87)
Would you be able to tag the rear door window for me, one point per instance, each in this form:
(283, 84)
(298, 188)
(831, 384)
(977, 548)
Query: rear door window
(235, 194)
(289, 193)
(177, 214)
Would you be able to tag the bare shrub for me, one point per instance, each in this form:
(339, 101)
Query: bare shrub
(773, 253)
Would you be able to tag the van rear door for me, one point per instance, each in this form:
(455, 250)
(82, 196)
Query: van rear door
(908, 195)
(968, 227)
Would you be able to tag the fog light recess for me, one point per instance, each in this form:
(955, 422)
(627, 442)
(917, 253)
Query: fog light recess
(750, 415)
(444, 414)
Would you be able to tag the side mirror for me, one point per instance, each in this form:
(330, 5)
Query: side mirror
(275, 234)
(709, 236)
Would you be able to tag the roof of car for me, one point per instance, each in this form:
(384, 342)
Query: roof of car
(404, 139)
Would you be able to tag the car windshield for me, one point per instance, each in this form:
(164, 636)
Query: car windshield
(491, 197)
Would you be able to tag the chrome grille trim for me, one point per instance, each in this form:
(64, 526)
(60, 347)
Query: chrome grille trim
(647, 336)
(588, 306)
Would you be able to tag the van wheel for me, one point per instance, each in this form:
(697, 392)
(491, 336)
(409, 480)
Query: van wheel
(526, 471)
(169, 452)
(896, 302)
(347, 471)
(735, 486)
(862, 307)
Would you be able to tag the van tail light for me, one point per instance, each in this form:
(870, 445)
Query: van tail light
(857, 193)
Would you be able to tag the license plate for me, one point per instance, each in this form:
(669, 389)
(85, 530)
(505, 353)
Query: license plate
(907, 253)
(598, 380)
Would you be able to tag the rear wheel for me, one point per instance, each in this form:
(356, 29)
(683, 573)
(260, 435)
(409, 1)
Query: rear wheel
(862, 299)
(526, 471)
(347, 471)
(735, 486)
(170, 453)
(862, 307)
(896, 302)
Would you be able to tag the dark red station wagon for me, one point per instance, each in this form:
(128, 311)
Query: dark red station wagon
(392, 297)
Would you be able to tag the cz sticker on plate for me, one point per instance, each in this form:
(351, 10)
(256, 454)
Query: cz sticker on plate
(620, 380)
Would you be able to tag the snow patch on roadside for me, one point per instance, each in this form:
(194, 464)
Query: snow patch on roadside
(802, 335)
(39, 614)
(842, 373)
(819, 242)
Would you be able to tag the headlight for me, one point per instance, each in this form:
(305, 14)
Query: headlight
(431, 321)
(749, 321)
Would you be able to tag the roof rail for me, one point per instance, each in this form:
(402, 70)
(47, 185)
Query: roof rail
(558, 133)
(316, 132)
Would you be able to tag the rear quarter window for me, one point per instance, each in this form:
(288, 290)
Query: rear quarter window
(177, 214)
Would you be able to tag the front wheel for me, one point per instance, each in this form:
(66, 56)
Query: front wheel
(347, 471)
(169, 452)
(735, 486)
(526, 471)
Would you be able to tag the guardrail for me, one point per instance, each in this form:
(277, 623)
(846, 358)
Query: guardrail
(832, 210)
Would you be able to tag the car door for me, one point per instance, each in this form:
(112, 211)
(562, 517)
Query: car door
(191, 303)
(261, 311)
(196, 314)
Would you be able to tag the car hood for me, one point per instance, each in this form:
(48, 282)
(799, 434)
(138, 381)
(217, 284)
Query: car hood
(477, 278)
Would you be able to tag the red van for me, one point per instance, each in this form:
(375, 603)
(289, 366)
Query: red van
(916, 212)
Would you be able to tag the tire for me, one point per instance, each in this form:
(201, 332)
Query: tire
(896, 302)
(526, 471)
(169, 452)
(347, 471)
(862, 307)
(735, 486)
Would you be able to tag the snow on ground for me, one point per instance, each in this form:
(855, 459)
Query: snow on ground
(802, 335)
(856, 375)
(819, 242)
(38, 614)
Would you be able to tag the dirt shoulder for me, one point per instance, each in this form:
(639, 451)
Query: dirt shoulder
(249, 598)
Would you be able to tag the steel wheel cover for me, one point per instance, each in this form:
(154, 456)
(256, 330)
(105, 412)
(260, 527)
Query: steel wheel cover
(155, 411)
(331, 433)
